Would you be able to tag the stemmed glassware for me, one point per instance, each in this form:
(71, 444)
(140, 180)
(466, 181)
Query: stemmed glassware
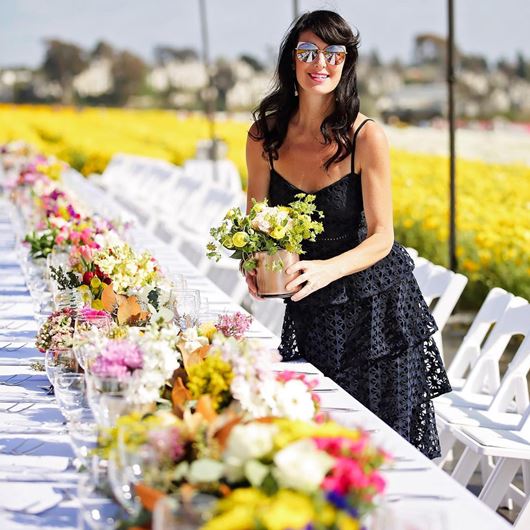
(84, 344)
(58, 361)
(187, 307)
(70, 392)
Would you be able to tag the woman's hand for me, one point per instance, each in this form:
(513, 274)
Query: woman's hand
(315, 274)
(250, 277)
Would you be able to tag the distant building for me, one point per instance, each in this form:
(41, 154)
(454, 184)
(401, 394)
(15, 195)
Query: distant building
(96, 80)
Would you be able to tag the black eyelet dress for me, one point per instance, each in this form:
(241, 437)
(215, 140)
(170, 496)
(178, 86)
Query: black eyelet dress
(370, 331)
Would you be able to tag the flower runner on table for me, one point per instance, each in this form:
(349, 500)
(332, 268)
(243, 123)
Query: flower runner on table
(188, 412)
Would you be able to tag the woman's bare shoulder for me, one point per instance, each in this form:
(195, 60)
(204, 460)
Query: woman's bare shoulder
(371, 133)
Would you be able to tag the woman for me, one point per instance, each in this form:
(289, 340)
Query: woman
(360, 316)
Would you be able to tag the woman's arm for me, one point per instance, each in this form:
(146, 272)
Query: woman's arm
(257, 168)
(373, 152)
(258, 187)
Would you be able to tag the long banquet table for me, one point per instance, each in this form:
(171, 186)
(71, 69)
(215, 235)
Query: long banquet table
(35, 454)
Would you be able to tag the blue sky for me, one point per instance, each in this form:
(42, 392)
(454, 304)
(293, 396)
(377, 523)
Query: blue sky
(494, 28)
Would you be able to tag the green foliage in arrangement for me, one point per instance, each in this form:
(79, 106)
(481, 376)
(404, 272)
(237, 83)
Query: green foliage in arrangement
(266, 229)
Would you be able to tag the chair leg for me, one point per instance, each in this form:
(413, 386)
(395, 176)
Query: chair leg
(447, 442)
(486, 467)
(526, 477)
(523, 519)
(466, 466)
(499, 481)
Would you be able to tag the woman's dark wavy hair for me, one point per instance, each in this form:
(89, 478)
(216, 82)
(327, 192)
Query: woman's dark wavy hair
(274, 113)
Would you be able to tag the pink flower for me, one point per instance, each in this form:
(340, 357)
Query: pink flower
(75, 237)
(346, 475)
(89, 314)
(287, 375)
(235, 325)
(86, 235)
(86, 253)
(378, 482)
(167, 442)
(119, 359)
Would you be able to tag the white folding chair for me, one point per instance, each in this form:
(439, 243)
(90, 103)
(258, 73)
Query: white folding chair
(509, 446)
(423, 269)
(484, 400)
(491, 310)
(443, 289)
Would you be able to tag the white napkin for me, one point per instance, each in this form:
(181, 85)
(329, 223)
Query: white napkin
(11, 280)
(33, 463)
(44, 417)
(29, 497)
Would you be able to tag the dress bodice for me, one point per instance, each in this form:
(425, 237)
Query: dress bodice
(344, 228)
(342, 205)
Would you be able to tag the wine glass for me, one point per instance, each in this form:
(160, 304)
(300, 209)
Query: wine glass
(87, 331)
(59, 360)
(97, 510)
(189, 514)
(187, 306)
(107, 398)
(70, 392)
(83, 432)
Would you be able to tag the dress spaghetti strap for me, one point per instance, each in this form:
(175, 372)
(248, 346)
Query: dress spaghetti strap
(353, 143)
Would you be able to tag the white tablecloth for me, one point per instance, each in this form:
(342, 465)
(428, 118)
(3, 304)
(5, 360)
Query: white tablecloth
(42, 478)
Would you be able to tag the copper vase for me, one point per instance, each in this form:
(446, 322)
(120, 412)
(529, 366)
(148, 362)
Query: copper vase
(271, 283)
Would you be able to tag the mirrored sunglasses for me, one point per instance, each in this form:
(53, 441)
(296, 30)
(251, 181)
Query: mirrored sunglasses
(307, 52)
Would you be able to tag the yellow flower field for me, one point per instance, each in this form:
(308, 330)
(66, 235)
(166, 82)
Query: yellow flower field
(493, 199)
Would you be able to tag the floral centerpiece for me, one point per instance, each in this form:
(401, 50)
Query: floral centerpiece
(239, 375)
(261, 474)
(142, 359)
(268, 239)
(57, 331)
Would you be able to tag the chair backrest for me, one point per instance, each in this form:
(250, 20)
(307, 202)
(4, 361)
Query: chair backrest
(490, 312)
(422, 271)
(485, 376)
(446, 286)
(514, 386)
(221, 172)
(413, 253)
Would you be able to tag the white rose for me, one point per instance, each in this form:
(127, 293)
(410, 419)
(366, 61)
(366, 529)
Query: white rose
(294, 400)
(251, 441)
(302, 466)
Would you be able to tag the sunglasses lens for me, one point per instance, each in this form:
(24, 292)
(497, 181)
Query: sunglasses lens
(307, 52)
(334, 58)
(306, 55)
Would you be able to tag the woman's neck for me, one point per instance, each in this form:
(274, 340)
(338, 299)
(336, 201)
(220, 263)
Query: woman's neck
(312, 111)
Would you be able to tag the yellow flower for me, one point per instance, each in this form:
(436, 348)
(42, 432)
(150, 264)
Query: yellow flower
(470, 266)
(208, 330)
(345, 522)
(213, 377)
(278, 232)
(227, 242)
(288, 509)
(95, 283)
(97, 304)
(240, 239)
